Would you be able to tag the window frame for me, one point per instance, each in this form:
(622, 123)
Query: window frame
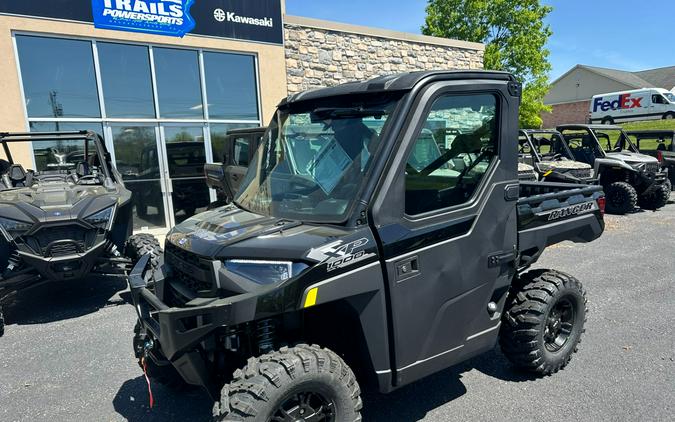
(419, 126)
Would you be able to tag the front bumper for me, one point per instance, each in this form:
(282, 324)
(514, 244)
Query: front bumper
(179, 330)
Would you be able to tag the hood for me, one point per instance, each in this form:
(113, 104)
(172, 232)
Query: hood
(230, 232)
(631, 157)
(55, 201)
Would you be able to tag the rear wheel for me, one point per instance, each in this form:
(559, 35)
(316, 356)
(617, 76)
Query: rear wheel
(607, 121)
(142, 244)
(621, 198)
(544, 320)
(302, 383)
(669, 116)
(657, 198)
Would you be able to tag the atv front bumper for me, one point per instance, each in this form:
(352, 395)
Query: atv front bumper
(179, 330)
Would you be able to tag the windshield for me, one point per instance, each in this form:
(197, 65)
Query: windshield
(315, 157)
(670, 96)
(614, 140)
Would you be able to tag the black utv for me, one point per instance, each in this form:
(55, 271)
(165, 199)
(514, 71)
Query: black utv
(364, 258)
(551, 158)
(68, 218)
(628, 177)
(659, 144)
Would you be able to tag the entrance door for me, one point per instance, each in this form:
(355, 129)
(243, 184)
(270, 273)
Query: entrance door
(185, 156)
(138, 159)
(448, 229)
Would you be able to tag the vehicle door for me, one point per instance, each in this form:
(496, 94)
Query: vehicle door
(659, 105)
(240, 149)
(447, 225)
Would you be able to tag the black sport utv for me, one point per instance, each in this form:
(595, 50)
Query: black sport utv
(364, 255)
(547, 152)
(628, 177)
(659, 144)
(68, 218)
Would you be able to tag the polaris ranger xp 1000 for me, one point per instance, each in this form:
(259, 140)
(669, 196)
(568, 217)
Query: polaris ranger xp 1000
(365, 258)
(68, 218)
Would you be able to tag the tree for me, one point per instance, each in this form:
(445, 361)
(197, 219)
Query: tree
(515, 36)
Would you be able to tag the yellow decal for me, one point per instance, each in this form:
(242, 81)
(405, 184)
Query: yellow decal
(548, 172)
(310, 300)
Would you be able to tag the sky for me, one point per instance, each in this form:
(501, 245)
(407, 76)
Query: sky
(619, 34)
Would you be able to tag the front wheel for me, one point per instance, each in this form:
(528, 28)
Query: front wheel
(669, 116)
(142, 244)
(621, 198)
(301, 383)
(543, 322)
(657, 198)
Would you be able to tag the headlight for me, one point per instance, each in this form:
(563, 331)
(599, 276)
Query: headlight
(265, 272)
(102, 219)
(13, 229)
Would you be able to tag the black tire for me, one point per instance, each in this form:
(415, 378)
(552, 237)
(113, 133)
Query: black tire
(669, 116)
(142, 244)
(164, 374)
(621, 198)
(543, 321)
(656, 199)
(287, 378)
(607, 121)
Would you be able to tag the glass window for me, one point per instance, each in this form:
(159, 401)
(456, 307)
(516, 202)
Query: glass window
(446, 166)
(231, 86)
(44, 152)
(185, 151)
(242, 147)
(178, 84)
(127, 86)
(218, 134)
(58, 77)
(136, 152)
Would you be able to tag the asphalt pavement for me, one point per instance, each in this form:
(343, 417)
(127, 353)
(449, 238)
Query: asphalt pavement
(66, 355)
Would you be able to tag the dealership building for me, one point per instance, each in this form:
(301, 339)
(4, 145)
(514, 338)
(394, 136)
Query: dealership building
(164, 80)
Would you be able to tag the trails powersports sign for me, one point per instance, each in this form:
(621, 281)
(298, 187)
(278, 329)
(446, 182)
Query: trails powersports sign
(251, 20)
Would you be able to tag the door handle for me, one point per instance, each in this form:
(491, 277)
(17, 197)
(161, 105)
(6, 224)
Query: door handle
(407, 268)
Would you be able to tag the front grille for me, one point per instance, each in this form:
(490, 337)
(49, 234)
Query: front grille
(653, 167)
(190, 270)
(61, 240)
(581, 173)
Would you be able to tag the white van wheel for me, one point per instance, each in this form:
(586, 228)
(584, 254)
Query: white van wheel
(669, 116)
(607, 121)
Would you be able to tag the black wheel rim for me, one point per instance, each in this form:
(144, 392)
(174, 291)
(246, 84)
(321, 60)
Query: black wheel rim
(305, 407)
(559, 324)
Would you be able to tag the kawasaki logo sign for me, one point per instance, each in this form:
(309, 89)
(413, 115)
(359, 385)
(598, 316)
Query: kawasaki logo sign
(220, 15)
(165, 17)
(252, 20)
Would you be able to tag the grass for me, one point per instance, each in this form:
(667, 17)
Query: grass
(650, 125)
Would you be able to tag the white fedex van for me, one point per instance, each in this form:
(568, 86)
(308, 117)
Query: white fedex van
(638, 104)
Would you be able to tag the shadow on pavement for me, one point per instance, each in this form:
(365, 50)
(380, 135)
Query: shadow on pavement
(410, 403)
(64, 300)
(131, 402)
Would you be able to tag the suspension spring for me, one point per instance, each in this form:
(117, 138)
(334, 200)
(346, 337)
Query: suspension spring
(265, 335)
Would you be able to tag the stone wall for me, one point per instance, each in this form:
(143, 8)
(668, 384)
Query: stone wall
(321, 55)
(561, 114)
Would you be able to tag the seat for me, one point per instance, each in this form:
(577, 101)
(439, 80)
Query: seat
(4, 166)
(661, 147)
(17, 175)
(82, 169)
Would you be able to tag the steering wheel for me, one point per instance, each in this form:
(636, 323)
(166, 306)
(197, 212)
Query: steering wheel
(470, 167)
(556, 157)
